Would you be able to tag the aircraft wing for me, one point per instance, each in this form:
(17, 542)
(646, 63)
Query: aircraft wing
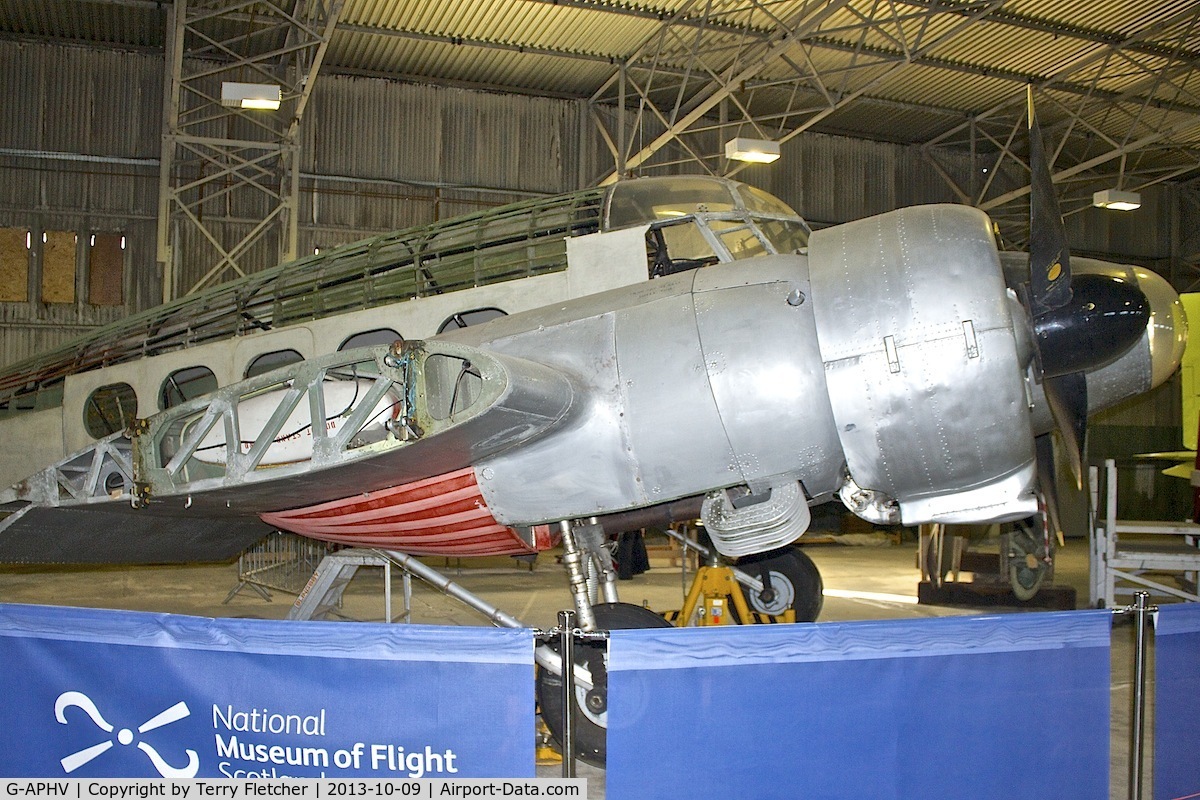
(192, 482)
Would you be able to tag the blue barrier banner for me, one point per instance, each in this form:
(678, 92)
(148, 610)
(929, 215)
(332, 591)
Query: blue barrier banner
(92, 693)
(1177, 706)
(973, 707)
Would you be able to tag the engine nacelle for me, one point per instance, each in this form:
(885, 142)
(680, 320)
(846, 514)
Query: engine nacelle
(925, 368)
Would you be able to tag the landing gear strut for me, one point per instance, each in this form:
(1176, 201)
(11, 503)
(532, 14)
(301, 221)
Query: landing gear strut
(592, 576)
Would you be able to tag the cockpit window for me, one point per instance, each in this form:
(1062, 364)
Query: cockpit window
(647, 200)
(741, 221)
(739, 239)
(677, 248)
(759, 202)
(786, 236)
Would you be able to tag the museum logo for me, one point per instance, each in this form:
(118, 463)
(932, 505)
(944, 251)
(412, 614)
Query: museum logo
(124, 737)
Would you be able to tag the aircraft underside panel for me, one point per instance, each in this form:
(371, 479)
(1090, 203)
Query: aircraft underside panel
(440, 516)
(120, 534)
(923, 363)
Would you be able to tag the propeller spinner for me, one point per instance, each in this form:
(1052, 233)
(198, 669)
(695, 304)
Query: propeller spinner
(1080, 323)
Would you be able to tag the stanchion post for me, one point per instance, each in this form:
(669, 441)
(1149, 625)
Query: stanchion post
(566, 632)
(1137, 717)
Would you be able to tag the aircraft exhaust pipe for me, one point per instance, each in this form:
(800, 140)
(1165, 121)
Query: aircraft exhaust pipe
(662, 515)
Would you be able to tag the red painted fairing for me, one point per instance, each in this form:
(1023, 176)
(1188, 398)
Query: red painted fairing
(440, 516)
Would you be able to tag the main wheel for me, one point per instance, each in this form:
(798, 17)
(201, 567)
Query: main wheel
(794, 582)
(591, 705)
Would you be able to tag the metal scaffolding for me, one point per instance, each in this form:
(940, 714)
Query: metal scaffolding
(220, 160)
(1118, 110)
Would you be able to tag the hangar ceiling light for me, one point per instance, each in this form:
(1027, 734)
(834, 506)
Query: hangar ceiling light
(250, 95)
(759, 151)
(1117, 200)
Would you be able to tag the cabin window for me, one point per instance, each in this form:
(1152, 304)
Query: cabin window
(14, 265)
(370, 339)
(451, 385)
(465, 319)
(186, 384)
(273, 360)
(109, 409)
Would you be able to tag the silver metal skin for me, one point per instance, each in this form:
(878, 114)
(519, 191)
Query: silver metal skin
(924, 367)
(890, 363)
(683, 395)
(892, 366)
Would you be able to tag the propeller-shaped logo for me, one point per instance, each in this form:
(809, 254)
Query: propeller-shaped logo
(124, 736)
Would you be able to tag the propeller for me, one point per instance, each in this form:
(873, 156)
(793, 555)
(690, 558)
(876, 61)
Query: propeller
(1080, 323)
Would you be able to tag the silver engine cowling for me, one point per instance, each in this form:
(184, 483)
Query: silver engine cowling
(925, 367)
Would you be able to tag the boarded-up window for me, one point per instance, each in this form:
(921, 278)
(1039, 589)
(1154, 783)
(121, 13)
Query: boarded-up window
(14, 265)
(58, 267)
(106, 270)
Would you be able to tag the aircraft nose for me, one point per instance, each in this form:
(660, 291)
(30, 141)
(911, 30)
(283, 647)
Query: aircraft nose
(1168, 326)
(1105, 317)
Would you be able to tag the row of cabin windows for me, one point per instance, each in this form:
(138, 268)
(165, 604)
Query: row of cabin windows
(56, 264)
(113, 407)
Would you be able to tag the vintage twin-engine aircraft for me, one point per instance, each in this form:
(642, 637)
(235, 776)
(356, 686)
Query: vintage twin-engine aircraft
(673, 348)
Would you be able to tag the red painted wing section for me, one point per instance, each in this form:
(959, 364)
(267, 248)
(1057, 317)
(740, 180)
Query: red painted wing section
(440, 516)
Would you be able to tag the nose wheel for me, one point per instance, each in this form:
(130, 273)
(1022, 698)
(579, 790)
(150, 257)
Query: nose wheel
(790, 580)
(591, 705)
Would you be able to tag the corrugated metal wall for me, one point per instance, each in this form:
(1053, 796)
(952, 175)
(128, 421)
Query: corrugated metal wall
(75, 131)
(832, 179)
(80, 143)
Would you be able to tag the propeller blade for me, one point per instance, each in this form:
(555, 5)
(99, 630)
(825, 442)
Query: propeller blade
(1049, 259)
(1044, 447)
(1067, 397)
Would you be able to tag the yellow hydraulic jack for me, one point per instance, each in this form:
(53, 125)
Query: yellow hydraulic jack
(544, 753)
(714, 594)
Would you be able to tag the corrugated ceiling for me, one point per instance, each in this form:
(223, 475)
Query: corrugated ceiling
(913, 71)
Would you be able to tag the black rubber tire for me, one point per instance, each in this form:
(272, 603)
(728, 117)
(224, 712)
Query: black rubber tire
(792, 571)
(590, 724)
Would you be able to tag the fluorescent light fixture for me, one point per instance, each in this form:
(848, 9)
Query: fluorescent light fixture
(1117, 200)
(759, 151)
(250, 95)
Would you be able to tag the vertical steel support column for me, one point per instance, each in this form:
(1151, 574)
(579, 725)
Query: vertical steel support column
(173, 57)
(1137, 718)
(566, 632)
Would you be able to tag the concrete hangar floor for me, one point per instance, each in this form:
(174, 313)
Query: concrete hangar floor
(866, 576)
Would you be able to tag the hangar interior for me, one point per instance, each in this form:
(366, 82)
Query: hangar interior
(128, 183)
(132, 178)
